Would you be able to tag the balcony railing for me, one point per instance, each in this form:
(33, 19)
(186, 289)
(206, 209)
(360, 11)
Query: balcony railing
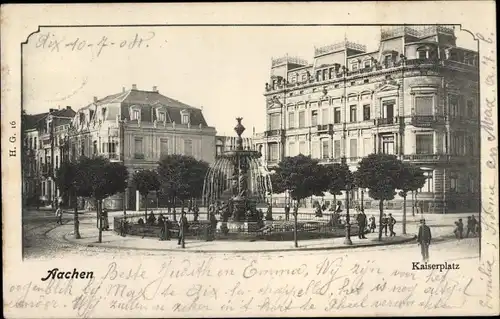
(386, 121)
(325, 128)
(426, 120)
(273, 133)
(426, 157)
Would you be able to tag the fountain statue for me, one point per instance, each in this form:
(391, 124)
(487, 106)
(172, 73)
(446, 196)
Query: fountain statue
(239, 179)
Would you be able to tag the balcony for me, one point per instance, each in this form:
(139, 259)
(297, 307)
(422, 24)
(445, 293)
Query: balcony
(423, 158)
(325, 128)
(273, 133)
(427, 120)
(386, 121)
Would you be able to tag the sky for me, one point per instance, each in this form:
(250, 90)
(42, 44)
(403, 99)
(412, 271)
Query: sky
(221, 69)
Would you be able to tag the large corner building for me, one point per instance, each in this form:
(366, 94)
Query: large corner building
(415, 97)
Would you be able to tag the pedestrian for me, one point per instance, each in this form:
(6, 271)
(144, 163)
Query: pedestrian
(338, 209)
(424, 239)
(373, 224)
(474, 225)
(105, 224)
(59, 216)
(361, 218)
(151, 219)
(391, 221)
(213, 225)
(470, 227)
(318, 213)
(287, 212)
(165, 229)
(455, 231)
(460, 228)
(123, 225)
(183, 226)
(384, 224)
(196, 212)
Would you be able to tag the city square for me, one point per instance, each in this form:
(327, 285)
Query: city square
(360, 149)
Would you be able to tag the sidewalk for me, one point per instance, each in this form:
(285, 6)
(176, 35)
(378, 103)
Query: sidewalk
(110, 239)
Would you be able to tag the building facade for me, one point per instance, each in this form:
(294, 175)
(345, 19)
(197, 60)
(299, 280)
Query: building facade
(44, 150)
(138, 127)
(415, 97)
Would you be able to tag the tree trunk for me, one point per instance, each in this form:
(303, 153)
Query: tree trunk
(145, 207)
(295, 222)
(76, 223)
(381, 209)
(404, 214)
(99, 214)
(413, 203)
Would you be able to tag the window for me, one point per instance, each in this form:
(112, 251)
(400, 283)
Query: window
(302, 147)
(188, 147)
(354, 66)
(453, 105)
(135, 115)
(318, 75)
(325, 74)
(164, 147)
(421, 54)
(336, 115)
(57, 161)
(366, 112)
(293, 79)
(470, 146)
(273, 152)
(367, 64)
(424, 143)
(453, 182)
(388, 145)
(388, 109)
(35, 142)
(275, 121)
(291, 149)
(324, 116)
(429, 182)
(138, 148)
(302, 119)
(470, 108)
(336, 149)
(185, 118)
(423, 105)
(162, 117)
(332, 73)
(95, 147)
(336, 86)
(43, 189)
(325, 149)
(472, 184)
(353, 83)
(366, 81)
(291, 120)
(353, 148)
(82, 148)
(367, 146)
(304, 77)
(387, 59)
(314, 118)
(352, 113)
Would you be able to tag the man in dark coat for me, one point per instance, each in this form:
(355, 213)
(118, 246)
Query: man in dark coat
(287, 212)
(183, 226)
(424, 239)
(385, 222)
(361, 218)
(391, 221)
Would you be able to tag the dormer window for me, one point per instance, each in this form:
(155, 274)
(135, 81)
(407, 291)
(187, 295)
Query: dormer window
(135, 115)
(185, 118)
(367, 64)
(422, 53)
(162, 116)
(354, 66)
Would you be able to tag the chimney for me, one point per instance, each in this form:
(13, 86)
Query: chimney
(68, 107)
(123, 89)
(95, 99)
(155, 88)
(134, 86)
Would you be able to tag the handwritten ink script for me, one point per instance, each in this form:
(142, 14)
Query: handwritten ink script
(53, 42)
(489, 209)
(205, 285)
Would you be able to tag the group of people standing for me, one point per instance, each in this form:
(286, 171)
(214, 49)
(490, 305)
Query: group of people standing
(473, 227)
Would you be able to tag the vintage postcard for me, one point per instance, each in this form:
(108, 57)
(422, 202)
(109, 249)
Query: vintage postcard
(250, 160)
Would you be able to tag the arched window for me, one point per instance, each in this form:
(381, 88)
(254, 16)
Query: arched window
(423, 53)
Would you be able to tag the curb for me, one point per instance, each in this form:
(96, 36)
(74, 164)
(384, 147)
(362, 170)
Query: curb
(402, 241)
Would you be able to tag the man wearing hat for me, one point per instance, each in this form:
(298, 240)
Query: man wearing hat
(424, 239)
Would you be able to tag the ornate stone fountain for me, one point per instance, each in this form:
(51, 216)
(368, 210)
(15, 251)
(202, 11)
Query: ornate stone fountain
(239, 179)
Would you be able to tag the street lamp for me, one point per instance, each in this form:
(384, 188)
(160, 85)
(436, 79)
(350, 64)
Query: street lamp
(348, 186)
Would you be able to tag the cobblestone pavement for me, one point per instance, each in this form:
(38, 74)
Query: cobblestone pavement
(39, 245)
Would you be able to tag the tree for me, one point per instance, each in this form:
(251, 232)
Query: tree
(380, 174)
(102, 179)
(340, 178)
(412, 178)
(146, 181)
(181, 177)
(302, 177)
(69, 180)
